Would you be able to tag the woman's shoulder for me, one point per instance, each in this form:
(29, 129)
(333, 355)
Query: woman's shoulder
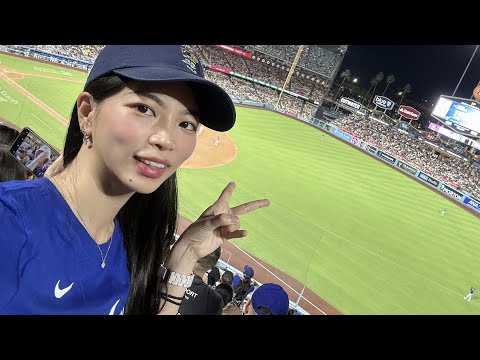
(22, 186)
(21, 191)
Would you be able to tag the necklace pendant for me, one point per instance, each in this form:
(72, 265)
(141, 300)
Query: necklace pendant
(103, 264)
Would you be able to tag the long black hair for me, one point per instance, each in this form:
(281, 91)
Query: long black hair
(148, 221)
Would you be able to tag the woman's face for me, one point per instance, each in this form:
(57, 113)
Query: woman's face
(144, 133)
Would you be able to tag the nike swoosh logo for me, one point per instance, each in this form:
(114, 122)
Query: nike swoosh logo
(60, 292)
(112, 310)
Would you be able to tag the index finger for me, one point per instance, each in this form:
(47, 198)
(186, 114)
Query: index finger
(226, 194)
(250, 206)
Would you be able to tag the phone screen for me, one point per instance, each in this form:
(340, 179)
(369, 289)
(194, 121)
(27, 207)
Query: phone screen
(33, 152)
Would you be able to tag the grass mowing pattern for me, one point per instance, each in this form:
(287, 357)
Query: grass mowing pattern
(40, 81)
(363, 236)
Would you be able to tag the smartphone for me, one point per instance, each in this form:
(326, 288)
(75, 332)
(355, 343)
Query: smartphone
(34, 153)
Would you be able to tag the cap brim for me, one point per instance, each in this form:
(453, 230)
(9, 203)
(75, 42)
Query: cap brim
(216, 108)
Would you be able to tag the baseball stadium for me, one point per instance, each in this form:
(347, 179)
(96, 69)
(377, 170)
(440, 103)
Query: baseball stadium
(369, 214)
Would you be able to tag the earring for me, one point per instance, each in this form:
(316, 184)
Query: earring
(86, 138)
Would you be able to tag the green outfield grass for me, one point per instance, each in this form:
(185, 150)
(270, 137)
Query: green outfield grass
(366, 238)
(40, 80)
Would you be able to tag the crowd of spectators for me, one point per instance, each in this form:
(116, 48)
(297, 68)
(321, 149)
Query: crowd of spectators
(261, 70)
(414, 151)
(322, 59)
(274, 72)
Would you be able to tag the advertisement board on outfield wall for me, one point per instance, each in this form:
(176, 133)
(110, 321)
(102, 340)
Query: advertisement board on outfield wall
(451, 192)
(386, 157)
(473, 203)
(371, 148)
(428, 179)
(342, 134)
(406, 167)
(356, 141)
(464, 199)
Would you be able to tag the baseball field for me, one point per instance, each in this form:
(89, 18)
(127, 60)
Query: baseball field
(363, 236)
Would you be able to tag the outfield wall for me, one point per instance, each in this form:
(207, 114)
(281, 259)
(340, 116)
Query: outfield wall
(458, 195)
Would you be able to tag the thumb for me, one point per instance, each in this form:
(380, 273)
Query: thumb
(212, 222)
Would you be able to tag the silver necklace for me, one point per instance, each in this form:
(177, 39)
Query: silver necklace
(101, 253)
(102, 264)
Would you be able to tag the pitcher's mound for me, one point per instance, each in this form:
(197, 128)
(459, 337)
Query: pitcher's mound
(213, 149)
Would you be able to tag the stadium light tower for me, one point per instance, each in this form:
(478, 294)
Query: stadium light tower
(290, 73)
(459, 81)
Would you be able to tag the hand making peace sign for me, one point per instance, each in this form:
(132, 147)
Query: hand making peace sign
(218, 223)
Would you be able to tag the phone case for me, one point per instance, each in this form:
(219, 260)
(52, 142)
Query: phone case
(34, 153)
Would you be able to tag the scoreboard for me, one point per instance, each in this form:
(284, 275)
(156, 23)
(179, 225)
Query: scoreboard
(462, 115)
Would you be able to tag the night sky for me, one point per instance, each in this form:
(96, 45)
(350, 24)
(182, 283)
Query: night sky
(431, 70)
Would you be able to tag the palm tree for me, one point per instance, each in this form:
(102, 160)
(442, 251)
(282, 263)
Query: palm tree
(372, 82)
(345, 75)
(363, 94)
(390, 80)
(406, 89)
(378, 78)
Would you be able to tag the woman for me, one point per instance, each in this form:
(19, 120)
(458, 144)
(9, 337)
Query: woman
(95, 237)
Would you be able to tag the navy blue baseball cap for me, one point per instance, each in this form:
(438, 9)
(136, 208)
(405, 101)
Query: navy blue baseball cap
(272, 297)
(248, 271)
(167, 63)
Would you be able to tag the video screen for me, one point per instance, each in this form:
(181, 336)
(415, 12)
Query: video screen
(35, 154)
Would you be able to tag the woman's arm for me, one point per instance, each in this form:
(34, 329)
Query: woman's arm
(217, 224)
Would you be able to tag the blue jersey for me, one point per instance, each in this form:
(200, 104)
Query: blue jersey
(49, 264)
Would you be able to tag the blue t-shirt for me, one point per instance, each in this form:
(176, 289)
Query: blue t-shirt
(49, 264)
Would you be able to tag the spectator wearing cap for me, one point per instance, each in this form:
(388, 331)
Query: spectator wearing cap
(242, 287)
(247, 273)
(268, 299)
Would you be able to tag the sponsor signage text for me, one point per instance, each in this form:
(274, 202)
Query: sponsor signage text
(406, 167)
(357, 141)
(342, 135)
(351, 103)
(386, 157)
(408, 112)
(371, 148)
(451, 192)
(383, 102)
(428, 179)
(473, 203)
